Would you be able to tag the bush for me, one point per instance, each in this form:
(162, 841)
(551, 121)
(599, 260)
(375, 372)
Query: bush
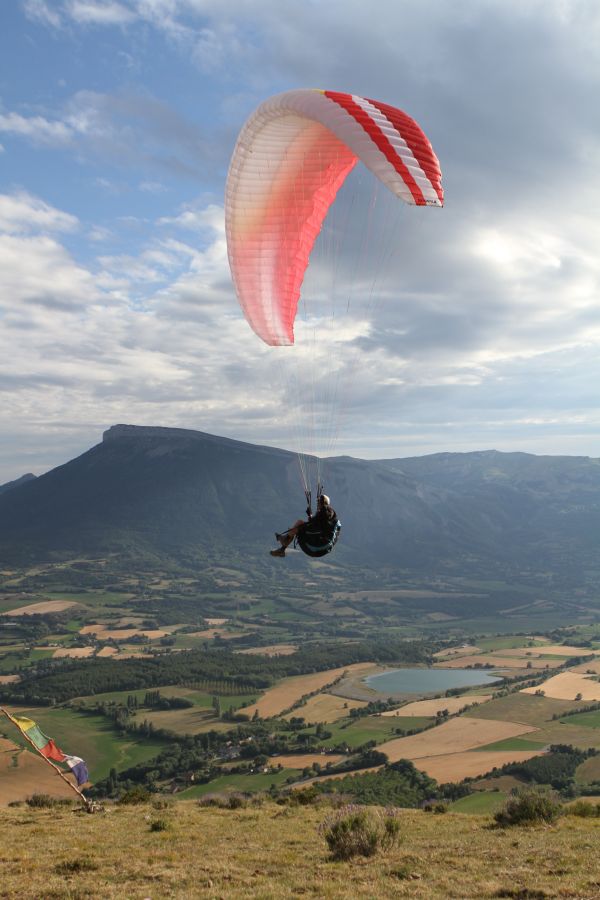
(73, 866)
(45, 801)
(355, 831)
(159, 825)
(529, 807)
(584, 808)
(134, 795)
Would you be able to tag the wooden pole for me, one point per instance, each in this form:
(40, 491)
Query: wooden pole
(87, 803)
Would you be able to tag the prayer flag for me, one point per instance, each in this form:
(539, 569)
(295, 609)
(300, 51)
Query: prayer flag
(48, 748)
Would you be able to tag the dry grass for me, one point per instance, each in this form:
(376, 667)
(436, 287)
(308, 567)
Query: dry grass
(107, 651)
(282, 696)
(9, 679)
(432, 707)
(275, 852)
(591, 666)
(567, 686)
(454, 736)
(326, 708)
(216, 621)
(38, 609)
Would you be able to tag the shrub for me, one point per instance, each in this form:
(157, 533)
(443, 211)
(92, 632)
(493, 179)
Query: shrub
(73, 866)
(529, 807)
(134, 795)
(584, 808)
(355, 831)
(45, 801)
(159, 825)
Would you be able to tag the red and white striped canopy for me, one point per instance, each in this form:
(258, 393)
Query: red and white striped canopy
(290, 160)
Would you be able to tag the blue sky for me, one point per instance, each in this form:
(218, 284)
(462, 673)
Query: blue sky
(117, 122)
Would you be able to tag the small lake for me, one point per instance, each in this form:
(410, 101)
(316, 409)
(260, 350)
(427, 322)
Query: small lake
(426, 681)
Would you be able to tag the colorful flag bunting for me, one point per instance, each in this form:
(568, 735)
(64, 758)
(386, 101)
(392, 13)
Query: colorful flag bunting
(48, 748)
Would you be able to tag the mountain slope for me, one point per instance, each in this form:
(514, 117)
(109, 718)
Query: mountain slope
(170, 493)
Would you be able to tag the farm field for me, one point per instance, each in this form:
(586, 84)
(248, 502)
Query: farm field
(453, 737)
(498, 662)
(432, 707)
(482, 803)
(453, 767)
(354, 732)
(90, 737)
(41, 608)
(589, 719)
(304, 760)
(593, 665)
(271, 650)
(325, 708)
(463, 650)
(281, 697)
(567, 685)
(73, 653)
(539, 711)
(23, 773)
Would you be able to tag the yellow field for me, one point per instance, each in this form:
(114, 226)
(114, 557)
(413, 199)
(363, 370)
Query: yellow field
(120, 634)
(325, 708)
(432, 707)
(284, 695)
(302, 760)
(456, 766)
(9, 679)
(30, 775)
(46, 606)
(216, 621)
(271, 650)
(73, 652)
(107, 651)
(498, 662)
(454, 736)
(592, 666)
(567, 686)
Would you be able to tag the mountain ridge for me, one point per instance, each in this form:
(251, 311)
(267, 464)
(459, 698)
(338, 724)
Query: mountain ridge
(172, 493)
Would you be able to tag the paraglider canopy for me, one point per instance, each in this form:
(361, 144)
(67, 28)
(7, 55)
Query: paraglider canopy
(291, 158)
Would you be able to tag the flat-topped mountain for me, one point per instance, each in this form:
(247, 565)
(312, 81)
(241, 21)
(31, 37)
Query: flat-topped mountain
(172, 493)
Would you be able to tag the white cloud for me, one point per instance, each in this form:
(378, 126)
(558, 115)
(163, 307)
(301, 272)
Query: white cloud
(37, 128)
(99, 12)
(21, 212)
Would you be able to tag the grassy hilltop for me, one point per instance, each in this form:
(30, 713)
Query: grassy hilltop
(278, 851)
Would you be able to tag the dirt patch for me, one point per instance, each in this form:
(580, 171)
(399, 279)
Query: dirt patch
(325, 708)
(271, 650)
(38, 609)
(456, 766)
(567, 685)
(284, 695)
(432, 707)
(455, 736)
(73, 653)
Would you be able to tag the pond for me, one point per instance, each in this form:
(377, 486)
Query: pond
(427, 681)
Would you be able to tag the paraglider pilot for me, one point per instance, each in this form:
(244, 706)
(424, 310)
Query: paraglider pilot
(315, 537)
